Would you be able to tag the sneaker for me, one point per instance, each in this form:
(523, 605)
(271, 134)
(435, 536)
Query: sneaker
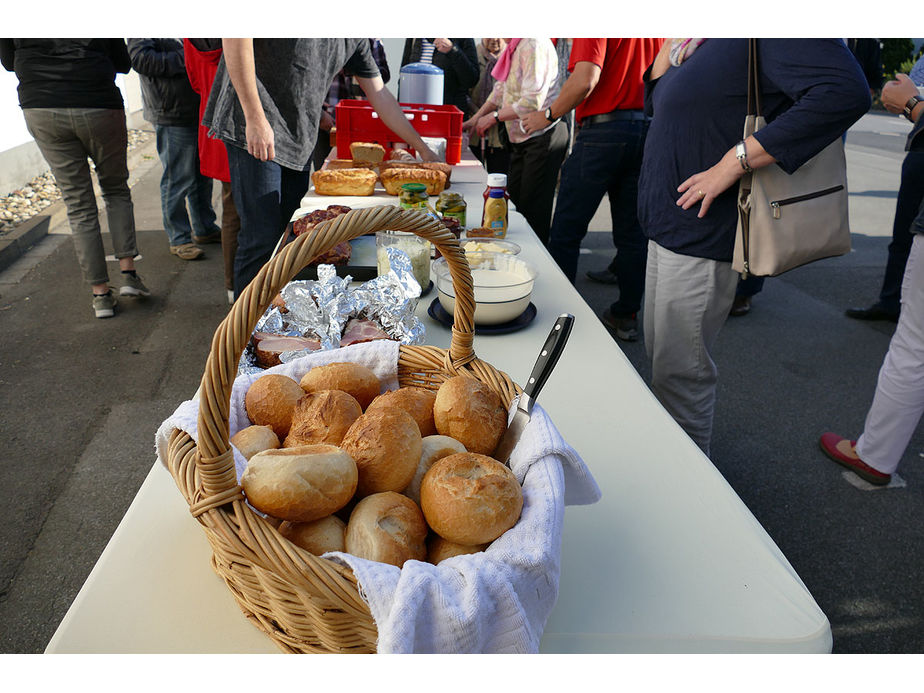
(104, 305)
(626, 327)
(133, 286)
(844, 452)
(208, 238)
(187, 251)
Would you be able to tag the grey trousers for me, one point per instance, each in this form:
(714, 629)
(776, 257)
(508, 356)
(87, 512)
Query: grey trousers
(687, 300)
(67, 137)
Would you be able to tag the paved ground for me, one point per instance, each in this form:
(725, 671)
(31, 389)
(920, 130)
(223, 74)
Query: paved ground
(80, 400)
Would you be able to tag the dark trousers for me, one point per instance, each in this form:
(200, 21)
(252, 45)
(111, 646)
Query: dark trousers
(910, 195)
(605, 160)
(533, 175)
(230, 226)
(265, 196)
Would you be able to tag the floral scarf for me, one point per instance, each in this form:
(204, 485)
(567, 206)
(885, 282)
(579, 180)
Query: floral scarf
(682, 48)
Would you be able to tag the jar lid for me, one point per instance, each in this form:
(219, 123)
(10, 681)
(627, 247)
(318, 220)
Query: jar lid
(497, 180)
(449, 195)
(414, 187)
(421, 69)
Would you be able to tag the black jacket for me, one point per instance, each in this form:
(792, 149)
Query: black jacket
(66, 73)
(459, 66)
(168, 96)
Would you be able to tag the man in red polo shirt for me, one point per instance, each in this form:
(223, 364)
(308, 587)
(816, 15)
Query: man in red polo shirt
(605, 87)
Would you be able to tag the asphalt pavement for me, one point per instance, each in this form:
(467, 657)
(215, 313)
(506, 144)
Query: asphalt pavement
(81, 399)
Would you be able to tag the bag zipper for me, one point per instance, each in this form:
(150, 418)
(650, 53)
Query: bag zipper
(776, 204)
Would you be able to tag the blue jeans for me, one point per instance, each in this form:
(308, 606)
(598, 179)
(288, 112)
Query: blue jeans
(266, 196)
(605, 160)
(178, 149)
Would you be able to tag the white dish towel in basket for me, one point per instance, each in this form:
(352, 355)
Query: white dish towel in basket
(496, 601)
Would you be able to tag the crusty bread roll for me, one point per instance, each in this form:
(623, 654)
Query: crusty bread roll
(254, 439)
(470, 499)
(394, 178)
(433, 448)
(416, 401)
(398, 154)
(318, 537)
(471, 412)
(352, 378)
(439, 549)
(386, 446)
(367, 151)
(322, 417)
(270, 401)
(387, 527)
(300, 484)
(347, 181)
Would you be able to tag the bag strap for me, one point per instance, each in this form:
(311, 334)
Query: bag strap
(753, 79)
(744, 187)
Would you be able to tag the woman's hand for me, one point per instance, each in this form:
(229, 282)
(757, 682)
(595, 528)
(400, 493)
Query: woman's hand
(533, 122)
(480, 124)
(895, 94)
(702, 188)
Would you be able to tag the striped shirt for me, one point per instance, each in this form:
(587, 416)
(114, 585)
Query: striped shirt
(426, 51)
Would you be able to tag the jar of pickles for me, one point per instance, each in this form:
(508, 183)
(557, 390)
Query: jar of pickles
(413, 196)
(451, 204)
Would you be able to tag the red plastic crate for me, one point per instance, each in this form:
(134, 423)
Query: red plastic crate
(358, 122)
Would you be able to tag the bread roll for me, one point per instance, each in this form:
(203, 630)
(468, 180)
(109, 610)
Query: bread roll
(254, 439)
(322, 417)
(394, 178)
(416, 401)
(318, 537)
(470, 499)
(439, 549)
(352, 378)
(386, 446)
(433, 448)
(471, 412)
(367, 151)
(347, 181)
(300, 484)
(270, 401)
(387, 527)
(340, 164)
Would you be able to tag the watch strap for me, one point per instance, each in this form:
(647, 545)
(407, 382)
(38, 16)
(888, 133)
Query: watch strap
(910, 104)
(741, 152)
(548, 114)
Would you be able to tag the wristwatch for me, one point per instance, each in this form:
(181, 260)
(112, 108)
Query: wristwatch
(548, 114)
(909, 106)
(496, 117)
(741, 153)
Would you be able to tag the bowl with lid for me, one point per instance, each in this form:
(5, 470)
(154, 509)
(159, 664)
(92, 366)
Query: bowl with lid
(502, 285)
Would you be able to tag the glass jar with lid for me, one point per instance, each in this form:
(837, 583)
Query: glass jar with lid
(413, 196)
(451, 204)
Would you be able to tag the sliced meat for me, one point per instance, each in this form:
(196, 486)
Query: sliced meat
(267, 347)
(361, 330)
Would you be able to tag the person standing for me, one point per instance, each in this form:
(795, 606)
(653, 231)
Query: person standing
(898, 402)
(458, 60)
(265, 105)
(527, 80)
(492, 150)
(74, 110)
(605, 88)
(202, 56)
(171, 105)
(812, 90)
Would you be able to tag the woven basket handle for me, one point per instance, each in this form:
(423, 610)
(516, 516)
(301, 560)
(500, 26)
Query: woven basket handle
(214, 459)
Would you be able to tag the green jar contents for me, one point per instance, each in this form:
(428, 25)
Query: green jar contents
(413, 196)
(451, 204)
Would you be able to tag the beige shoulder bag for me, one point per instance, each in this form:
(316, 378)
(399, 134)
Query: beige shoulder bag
(788, 220)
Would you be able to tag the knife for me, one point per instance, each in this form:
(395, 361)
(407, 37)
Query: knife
(548, 357)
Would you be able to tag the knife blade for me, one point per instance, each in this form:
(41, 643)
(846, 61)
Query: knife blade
(548, 357)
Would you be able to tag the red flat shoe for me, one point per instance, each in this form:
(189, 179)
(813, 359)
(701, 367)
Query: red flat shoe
(843, 452)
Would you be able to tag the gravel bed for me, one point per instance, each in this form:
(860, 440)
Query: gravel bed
(23, 204)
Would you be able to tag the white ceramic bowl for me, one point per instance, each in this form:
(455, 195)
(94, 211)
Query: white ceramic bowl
(503, 285)
(489, 245)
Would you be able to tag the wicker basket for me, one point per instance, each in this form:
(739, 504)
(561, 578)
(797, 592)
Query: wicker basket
(303, 602)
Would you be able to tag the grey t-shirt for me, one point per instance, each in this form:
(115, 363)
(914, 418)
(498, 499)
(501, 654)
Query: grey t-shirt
(293, 78)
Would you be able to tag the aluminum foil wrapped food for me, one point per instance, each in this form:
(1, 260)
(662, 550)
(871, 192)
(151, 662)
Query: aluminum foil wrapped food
(328, 313)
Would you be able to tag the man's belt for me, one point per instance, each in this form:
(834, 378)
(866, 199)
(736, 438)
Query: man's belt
(621, 114)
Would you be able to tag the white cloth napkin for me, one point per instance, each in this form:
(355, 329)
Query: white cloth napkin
(496, 601)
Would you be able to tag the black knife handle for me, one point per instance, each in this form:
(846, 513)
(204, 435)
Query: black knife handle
(548, 357)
